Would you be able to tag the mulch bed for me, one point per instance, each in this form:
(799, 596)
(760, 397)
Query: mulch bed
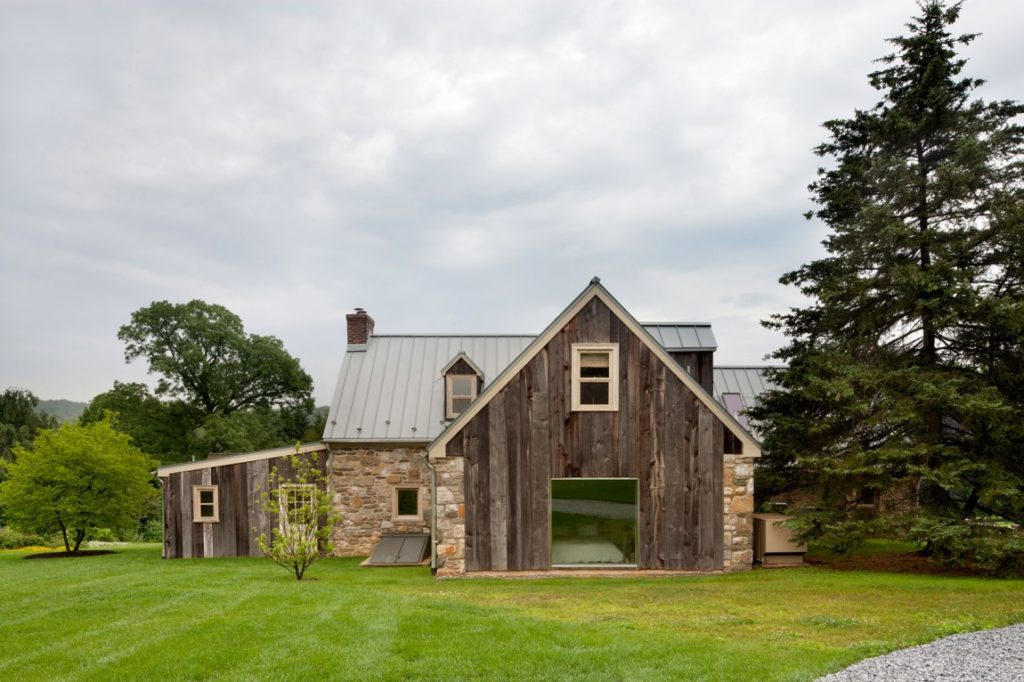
(68, 555)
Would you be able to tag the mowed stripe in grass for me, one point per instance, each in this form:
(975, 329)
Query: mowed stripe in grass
(132, 615)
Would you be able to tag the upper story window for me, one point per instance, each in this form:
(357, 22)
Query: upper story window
(595, 377)
(462, 381)
(205, 506)
(461, 390)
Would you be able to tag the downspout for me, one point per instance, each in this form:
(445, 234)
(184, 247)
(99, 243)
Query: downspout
(433, 516)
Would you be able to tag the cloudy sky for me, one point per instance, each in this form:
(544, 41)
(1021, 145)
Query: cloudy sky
(449, 166)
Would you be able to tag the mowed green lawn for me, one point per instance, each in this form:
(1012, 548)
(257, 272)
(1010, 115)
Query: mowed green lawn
(134, 616)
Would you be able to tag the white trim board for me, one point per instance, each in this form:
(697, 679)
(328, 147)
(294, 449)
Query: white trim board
(751, 448)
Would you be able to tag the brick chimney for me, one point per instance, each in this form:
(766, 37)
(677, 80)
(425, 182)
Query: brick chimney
(360, 327)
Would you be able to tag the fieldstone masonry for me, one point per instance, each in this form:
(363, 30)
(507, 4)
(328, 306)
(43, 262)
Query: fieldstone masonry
(738, 482)
(362, 483)
(451, 517)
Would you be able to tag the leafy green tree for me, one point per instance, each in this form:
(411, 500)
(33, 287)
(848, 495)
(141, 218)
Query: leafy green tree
(904, 371)
(205, 358)
(20, 420)
(303, 515)
(77, 478)
(160, 428)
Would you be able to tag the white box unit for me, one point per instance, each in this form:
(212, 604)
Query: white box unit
(773, 542)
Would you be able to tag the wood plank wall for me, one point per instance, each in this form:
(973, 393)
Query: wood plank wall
(662, 435)
(241, 519)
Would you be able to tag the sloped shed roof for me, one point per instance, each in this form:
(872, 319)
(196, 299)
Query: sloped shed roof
(391, 389)
(746, 382)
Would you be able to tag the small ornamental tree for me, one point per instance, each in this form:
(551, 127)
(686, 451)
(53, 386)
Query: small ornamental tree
(77, 478)
(302, 515)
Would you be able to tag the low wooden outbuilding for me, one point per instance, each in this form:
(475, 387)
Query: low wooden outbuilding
(211, 507)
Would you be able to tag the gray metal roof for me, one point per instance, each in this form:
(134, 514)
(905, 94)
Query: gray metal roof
(391, 388)
(682, 336)
(748, 382)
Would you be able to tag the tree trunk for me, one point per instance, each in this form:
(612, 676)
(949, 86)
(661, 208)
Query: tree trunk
(79, 536)
(64, 533)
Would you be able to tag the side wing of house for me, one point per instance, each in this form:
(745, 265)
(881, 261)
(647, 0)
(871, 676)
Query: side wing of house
(550, 478)
(212, 509)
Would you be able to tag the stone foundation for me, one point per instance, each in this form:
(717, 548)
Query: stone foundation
(738, 483)
(451, 517)
(363, 483)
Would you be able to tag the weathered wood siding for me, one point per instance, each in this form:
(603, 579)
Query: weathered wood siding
(241, 519)
(661, 435)
(700, 365)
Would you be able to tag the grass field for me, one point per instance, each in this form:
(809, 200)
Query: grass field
(132, 615)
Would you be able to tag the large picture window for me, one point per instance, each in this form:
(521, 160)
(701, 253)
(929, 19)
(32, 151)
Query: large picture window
(595, 377)
(593, 521)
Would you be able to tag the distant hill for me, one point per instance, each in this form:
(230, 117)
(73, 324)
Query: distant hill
(63, 410)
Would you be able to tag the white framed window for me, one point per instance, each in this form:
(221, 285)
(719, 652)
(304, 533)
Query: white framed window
(298, 505)
(461, 391)
(406, 504)
(595, 377)
(205, 504)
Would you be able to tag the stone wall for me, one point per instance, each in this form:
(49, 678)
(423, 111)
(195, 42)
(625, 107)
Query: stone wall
(451, 517)
(362, 484)
(738, 482)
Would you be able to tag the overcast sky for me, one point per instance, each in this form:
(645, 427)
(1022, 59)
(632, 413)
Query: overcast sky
(449, 166)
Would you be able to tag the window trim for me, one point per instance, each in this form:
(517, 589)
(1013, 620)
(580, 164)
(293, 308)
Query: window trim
(449, 397)
(395, 516)
(197, 504)
(613, 376)
(283, 523)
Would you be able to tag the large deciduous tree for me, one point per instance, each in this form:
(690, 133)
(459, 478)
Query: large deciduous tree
(205, 358)
(906, 371)
(77, 478)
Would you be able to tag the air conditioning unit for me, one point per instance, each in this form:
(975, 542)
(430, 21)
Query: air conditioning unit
(773, 542)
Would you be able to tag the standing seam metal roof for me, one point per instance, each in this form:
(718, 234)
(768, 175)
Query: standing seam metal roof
(391, 388)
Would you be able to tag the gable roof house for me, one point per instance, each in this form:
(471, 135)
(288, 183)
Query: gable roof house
(599, 443)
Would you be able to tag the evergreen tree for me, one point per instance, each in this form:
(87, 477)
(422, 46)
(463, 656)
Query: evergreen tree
(905, 372)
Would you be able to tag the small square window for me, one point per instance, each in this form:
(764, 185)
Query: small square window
(462, 390)
(205, 504)
(595, 377)
(406, 503)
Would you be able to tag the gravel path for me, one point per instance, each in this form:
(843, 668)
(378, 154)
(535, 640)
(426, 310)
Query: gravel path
(985, 656)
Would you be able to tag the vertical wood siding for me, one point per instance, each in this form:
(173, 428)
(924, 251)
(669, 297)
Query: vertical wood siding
(661, 435)
(241, 519)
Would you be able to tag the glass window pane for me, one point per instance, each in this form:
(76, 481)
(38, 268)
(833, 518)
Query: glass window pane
(459, 405)
(205, 497)
(593, 521)
(462, 386)
(408, 502)
(594, 393)
(206, 510)
(597, 359)
(590, 372)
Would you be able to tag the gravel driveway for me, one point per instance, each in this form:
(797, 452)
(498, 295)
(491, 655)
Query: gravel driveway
(985, 656)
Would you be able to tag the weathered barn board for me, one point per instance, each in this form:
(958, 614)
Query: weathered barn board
(241, 519)
(662, 435)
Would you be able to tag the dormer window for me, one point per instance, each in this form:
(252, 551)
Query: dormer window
(462, 383)
(595, 377)
(461, 392)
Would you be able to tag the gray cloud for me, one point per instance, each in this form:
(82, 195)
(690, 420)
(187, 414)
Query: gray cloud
(450, 166)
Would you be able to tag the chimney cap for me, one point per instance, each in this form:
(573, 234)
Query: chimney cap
(360, 310)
